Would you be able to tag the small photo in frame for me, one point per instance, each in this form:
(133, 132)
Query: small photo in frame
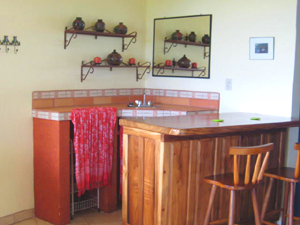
(262, 48)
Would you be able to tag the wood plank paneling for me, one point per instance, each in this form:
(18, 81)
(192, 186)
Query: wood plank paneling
(167, 184)
(179, 184)
(149, 177)
(134, 180)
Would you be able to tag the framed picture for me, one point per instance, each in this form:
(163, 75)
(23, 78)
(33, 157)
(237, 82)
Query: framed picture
(262, 48)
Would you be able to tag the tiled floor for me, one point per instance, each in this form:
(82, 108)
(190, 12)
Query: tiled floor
(86, 217)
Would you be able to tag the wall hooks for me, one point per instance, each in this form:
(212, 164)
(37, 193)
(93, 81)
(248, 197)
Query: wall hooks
(15, 43)
(7, 43)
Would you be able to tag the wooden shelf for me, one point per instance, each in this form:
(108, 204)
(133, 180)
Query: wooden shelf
(174, 44)
(186, 43)
(161, 70)
(91, 65)
(106, 33)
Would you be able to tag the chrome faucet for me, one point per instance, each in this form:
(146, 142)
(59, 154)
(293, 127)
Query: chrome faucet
(144, 99)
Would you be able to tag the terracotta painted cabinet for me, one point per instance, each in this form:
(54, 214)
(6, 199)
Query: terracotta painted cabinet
(52, 173)
(165, 161)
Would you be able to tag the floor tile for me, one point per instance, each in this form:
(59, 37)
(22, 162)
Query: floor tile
(41, 222)
(31, 221)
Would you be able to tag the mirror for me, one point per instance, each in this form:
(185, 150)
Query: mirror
(176, 52)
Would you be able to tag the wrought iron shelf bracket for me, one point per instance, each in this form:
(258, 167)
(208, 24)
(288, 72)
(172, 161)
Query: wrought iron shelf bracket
(106, 33)
(174, 43)
(91, 65)
(161, 70)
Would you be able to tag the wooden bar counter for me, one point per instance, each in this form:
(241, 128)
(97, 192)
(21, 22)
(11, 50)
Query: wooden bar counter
(166, 158)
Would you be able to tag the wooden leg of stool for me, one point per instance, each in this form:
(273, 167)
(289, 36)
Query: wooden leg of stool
(231, 208)
(255, 207)
(285, 203)
(210, 204)
(291, 203)
(266, 200)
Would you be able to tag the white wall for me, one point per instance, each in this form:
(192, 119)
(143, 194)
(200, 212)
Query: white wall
(43, 64)
(263, 86)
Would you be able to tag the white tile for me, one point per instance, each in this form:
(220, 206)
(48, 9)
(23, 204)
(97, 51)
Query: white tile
(124, 92)
(167, 113)
(186, 94)
(147, 91)
(80, 94)
(148, 113)
(140, 113)
(64, 94)
(156, 92)
(54, 116)
(43, 115)
(201, 95)
(46, 95)
(33, 113)
(127, 112)
(175, 113)
(95, 93)
(214, 96)
(137, 92)
(170, 93)
(160, 113)
(191, 113)
(35, 95)
(110, 92)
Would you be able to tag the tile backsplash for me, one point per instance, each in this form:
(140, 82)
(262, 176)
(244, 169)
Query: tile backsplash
(61, 98)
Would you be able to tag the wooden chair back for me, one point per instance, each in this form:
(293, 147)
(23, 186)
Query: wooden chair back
(260, 164)
(297, 166)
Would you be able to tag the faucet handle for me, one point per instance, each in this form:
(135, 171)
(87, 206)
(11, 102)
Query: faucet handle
(138, 102)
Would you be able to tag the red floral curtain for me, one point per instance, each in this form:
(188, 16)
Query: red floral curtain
(93, 145)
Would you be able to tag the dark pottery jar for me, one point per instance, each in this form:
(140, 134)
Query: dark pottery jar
(120, 29)
(114, 58)
(184, 62)
(192, 37)
(206, 39)
(78, 24)
(177, 36)
(100, 26)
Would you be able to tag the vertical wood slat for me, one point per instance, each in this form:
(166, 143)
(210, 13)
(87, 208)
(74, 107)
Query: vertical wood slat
(157, 183)
(178, 186)
(125, 181)
(164, 177)
(141, 152)
(247, 171)
(192, 176)
(149, 169)
(135, 177)
(235, 170)
(257, 168)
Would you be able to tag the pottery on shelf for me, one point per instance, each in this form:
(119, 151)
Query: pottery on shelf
(177, 36)
(184, 62)
(99, 26)
(78, 24)
(120, 29)
(192, 37)
(206, 39)
(114, 58)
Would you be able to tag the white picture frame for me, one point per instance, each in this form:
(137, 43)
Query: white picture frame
(262, 48)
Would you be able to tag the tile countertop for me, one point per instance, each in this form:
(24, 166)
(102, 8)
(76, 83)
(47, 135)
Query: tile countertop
(158, 110)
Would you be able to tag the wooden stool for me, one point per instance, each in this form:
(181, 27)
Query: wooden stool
(236, 182)
(289, 176)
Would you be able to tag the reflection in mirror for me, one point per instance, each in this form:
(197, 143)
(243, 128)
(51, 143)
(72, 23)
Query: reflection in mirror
(181, 46)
